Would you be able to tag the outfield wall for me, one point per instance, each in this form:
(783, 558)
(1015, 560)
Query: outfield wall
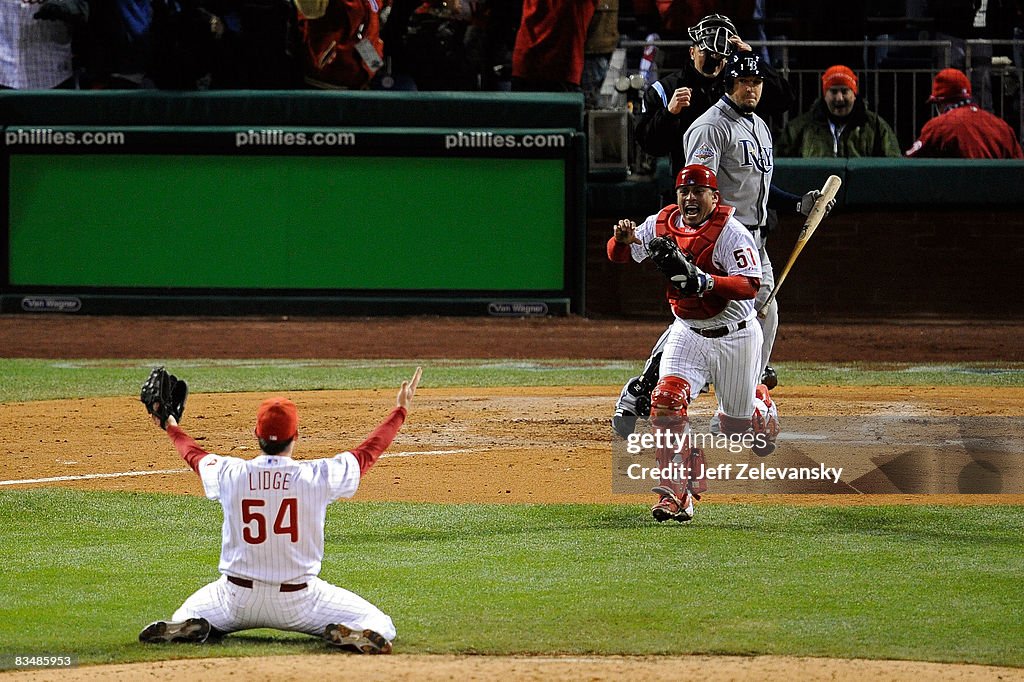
(450, 203)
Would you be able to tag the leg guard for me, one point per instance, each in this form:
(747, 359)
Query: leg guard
(765, 422)
(675, 456)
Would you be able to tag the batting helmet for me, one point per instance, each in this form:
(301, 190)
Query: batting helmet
(696, 175)
(712, 34)
(742, 65)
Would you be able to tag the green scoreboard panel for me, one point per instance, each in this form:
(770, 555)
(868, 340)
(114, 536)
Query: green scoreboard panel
(303, 220)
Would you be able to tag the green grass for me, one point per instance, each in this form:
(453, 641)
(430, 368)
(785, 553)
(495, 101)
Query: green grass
(83, 572)
(22, 380)
(924, 583)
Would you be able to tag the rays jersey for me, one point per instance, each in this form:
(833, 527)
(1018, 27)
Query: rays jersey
(738, 148)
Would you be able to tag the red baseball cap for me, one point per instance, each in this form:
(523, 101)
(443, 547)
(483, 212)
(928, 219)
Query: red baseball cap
(277, 420)
(950, 85)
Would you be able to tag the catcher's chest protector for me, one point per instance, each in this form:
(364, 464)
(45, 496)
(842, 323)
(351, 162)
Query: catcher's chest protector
(699, 245)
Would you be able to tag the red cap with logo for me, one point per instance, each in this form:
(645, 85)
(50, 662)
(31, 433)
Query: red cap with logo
(950, 85)
(277, 420)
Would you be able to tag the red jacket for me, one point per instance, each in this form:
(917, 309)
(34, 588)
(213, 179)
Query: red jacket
(967, 132)
(549, 44)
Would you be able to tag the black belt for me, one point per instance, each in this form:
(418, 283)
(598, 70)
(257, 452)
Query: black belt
(717, 332)
(285, 587)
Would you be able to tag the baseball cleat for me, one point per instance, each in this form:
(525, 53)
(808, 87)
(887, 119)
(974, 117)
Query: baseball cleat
(624, 423)
(359, 641)
(194, 630)
(670, 507)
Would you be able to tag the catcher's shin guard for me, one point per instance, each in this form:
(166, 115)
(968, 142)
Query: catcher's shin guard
(764, 422)
(668, 408)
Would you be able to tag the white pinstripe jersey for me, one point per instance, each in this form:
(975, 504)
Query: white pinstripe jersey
(735, 253)
(274, 510)
(738, 148)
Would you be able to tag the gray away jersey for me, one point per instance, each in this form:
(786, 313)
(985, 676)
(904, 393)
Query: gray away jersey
(738, 148)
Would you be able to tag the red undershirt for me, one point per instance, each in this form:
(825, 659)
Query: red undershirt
(366, 453)
(732, 287)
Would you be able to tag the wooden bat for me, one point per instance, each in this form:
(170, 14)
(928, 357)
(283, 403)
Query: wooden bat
(828, 193)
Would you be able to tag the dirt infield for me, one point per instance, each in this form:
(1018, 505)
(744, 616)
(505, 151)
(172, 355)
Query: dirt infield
(478, 445)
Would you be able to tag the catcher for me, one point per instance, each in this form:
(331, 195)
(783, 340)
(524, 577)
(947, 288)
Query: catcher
(714, 274)
(273, 529)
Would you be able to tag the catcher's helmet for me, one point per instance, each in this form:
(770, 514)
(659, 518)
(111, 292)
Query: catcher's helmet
(696, 175)
(742, 65)
(712, 34)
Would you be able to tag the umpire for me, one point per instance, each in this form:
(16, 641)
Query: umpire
(671, 104)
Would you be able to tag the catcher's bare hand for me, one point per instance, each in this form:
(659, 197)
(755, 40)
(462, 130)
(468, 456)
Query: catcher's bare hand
(680, 100)
(408, 389)
(625, 232)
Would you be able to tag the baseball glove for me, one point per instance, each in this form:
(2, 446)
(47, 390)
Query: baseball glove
(164, 395)
(669, 259)
(677, 266)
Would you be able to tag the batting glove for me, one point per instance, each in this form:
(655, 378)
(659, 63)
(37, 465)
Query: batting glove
(807, 203)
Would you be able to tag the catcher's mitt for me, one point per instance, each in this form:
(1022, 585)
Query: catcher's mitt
(669, 259)
(164, 395)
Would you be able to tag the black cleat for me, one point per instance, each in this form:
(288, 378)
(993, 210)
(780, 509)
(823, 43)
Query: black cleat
(194, 630)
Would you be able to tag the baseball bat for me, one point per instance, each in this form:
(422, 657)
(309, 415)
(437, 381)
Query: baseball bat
(828, 193)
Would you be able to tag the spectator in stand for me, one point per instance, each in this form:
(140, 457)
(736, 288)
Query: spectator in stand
(602, 39)
(838, 124)
(962, 129)
(35, 43)
(115, 50)
(548, 54)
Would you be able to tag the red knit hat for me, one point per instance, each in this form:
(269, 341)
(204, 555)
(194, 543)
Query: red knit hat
(277, 420)
(839, 76)
(950, 85)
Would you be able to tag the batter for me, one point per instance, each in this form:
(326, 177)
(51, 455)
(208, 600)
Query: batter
(273, 536)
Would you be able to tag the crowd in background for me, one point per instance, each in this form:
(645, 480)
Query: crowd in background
(466, 45)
